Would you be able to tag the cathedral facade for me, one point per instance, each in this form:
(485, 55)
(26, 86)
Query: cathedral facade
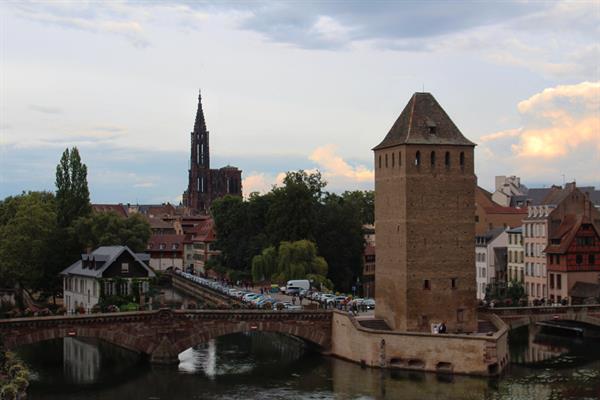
(206, 184)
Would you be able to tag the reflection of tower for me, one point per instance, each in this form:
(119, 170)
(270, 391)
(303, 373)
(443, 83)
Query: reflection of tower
(210, 366)
(425, 219)
(81, 360)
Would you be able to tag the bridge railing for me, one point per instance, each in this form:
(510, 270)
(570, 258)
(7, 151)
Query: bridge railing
(541, 309)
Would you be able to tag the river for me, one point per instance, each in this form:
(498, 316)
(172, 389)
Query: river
(267, 366)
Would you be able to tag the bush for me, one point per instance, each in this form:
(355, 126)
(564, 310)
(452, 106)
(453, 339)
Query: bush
(14, 370)
(8, 392)
(20, 383)
(129, 307)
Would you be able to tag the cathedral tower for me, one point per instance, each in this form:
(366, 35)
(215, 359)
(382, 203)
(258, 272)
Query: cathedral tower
(205, 184)
(425, 221)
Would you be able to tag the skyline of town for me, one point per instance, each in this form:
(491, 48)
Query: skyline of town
(316, 98)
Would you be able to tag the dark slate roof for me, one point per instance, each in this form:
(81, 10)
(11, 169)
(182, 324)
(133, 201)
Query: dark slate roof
(107, 255)
(516, 230)
(585, 290)
(413, 125)
(491, 234)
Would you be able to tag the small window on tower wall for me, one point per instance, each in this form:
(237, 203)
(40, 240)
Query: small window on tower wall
(386, 160)
(393, 159)
(379, 161)
(426, 284)
(462, 159)
(453, 281)
(460, 315)
(418, 158)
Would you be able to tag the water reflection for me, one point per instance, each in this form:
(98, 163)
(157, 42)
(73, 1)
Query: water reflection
(272, 366)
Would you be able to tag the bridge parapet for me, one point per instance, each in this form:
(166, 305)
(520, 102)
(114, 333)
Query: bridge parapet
(521, 316)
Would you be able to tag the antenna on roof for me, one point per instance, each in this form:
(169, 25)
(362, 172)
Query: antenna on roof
(423, 88)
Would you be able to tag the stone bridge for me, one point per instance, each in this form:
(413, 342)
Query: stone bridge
(516, 317)
(165, 333)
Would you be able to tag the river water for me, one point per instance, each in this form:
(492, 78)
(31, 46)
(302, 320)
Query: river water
(267, 366)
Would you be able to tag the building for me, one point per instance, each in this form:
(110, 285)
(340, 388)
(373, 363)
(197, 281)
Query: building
(166, 251)
(490, 259)
(516, 256)
(425, 218)
(573, 250)
(203, 239)
(507, 187)
(119, 209)
(490, 215)
(368, 278)
(107, 271)
(206, 184)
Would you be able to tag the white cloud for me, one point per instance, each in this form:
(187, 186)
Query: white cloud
(333, 166)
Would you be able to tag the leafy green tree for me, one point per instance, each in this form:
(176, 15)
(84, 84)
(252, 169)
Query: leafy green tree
(28, 228)
(292, 260)
(72, 193)
(110, 229)
(364, 201)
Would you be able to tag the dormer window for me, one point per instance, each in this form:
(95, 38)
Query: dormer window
(432, 130)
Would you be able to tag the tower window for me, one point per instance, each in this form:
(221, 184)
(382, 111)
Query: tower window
(432, 130)
(426, 284)
(399, 158)
(418, 158)
(379, 162)
(453, 283)
(386, 160)
(462, 160)
(447, 159)
(393, 159)
(432, 159)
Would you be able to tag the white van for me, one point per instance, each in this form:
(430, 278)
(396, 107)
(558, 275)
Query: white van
(298, 284)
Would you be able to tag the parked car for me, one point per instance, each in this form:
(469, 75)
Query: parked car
(370, 303)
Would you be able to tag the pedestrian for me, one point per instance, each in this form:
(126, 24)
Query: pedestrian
(442, 327)
(262, 291)
(294, 300)
(354, 308)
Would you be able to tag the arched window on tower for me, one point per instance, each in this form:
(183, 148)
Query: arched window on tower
(433, 159)
(380, 162)
(418, 158)
(447, 159)
(462, 160)
(399, 158)
(393, 160)
(386, 161)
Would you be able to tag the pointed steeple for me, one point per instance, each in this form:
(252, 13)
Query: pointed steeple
(199, 124)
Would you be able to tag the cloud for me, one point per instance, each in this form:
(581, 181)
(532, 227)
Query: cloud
(144, 185)
(45, 109)
(560, 132)
(333, 166)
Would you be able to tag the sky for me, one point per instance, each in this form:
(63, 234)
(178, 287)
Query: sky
(291, 85)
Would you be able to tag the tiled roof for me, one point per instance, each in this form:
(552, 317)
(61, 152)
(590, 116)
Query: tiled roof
(505, 210)
(423, 121)
(157, 223)
(566, 233)
(585, 290)
(168, 241)
(118, 209)
(107, 255)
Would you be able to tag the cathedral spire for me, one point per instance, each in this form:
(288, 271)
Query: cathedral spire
(199, 124)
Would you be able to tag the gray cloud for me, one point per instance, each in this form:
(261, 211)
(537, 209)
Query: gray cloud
(45, 109)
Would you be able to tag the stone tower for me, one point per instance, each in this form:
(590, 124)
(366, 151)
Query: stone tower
(425, 221)
(205, 184)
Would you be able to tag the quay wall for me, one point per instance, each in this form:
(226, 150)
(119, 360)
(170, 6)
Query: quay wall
(447, 353)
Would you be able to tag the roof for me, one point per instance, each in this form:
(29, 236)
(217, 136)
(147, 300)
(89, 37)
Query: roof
(491, 234)
(168, 240)
(420, 117)
(566, 233)
(157, 223)
(118, 209)
(505, 210)
(107, 255)
(516, 230)
(585, 290)
(204, 232)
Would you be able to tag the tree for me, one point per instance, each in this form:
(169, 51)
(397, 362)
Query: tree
(72, 193)
(110, 229)
(364, 201)
(292, 260)
(28, 227)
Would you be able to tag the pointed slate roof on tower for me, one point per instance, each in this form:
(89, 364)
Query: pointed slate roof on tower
(423, 121)
(199, 124)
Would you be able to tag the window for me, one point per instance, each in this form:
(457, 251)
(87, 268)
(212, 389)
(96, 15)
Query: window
(386, 160)
(579, 259)
(558, 281)
(399, 158)
(393, 160)
(460, 315)
(175, 246)
(162, 246)
(380, 162)
(418, 158)
(447, 159)
(592, 259)
(125, 268)
(426, 284)
(477, 218)
(432, 130)
(462, 160)
(551, 281)
(453, 282)
(433, 159)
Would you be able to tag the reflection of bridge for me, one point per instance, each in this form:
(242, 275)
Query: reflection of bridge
(516, 317)
(163, 334)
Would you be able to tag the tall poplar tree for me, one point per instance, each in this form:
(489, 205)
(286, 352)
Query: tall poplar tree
(72, 193)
